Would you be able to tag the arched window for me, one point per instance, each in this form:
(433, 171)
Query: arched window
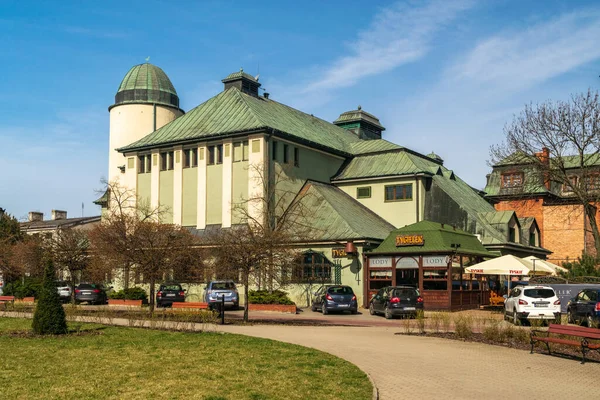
(312, 267)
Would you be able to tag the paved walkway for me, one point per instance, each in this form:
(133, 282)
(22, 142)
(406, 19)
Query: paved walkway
(410, 367)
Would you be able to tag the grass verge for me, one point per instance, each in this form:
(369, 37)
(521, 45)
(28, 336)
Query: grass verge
(140, 363)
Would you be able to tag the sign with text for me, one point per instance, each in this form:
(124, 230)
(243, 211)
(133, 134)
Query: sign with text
(406, 263)
(380, 262)
(436, 261)
(409, 240)
(339, 253)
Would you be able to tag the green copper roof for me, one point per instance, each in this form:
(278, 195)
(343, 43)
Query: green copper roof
(232, 111)
(238, 75)
(388, 163)
(438, 239)
(147, 83)
(373, 146)
(337, 216)
(357, 116)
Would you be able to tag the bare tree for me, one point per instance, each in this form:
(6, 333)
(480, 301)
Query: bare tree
(558, 144)
(263, 249)
(70, 250)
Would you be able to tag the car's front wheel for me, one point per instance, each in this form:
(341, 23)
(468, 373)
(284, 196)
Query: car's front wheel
(324, 309)
(313, 308)
(371, 309)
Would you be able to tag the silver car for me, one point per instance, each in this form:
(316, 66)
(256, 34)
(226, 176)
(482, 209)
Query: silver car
(215, 290)
(64, 291)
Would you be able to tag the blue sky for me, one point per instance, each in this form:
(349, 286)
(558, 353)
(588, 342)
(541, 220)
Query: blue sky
(442, 76)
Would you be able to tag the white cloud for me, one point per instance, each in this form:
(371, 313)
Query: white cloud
(398, 35)
(515, 60)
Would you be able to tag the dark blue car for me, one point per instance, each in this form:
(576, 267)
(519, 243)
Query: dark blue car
(335, 298)
(585, 308)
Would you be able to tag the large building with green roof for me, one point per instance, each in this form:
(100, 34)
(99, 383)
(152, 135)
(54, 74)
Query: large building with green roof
(203, 164)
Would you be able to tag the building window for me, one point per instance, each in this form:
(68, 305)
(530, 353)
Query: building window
(163, 161)
(194, 157)
(186, 159)
(592, 182)
(532, 241)
(215, 154)
(211, 155)
(512, 234)
(574, 182)
(513, 179)
(363, 192)
(274, 151)
(398, 192)
(245, 150)
(148, 163)
(296, 157)
(141, 164)
(285, 154)
(312, 267)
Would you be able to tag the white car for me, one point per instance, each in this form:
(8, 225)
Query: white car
(532, 302)
(64, 291)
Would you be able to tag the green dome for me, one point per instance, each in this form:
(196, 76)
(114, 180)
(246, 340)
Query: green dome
(146, 83)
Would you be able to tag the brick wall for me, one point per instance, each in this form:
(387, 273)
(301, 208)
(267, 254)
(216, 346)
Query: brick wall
(564, 231)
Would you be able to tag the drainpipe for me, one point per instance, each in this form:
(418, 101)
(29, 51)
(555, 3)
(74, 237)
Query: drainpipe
(417, 196)
(154, 104)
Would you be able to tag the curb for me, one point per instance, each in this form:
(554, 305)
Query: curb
(375, 390)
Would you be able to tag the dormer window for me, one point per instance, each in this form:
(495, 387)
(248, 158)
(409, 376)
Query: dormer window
(512, 180)
(574, 181)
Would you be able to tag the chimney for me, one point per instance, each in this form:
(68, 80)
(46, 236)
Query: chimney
(364, 125)
(266, 95)
(58, 214)
(35, 216)
(544, 157)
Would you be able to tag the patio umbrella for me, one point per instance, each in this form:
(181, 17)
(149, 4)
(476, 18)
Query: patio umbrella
(508, 265)
(539, 261)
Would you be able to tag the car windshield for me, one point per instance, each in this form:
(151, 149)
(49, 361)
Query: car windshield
(406, 292)
(171, 287)
(223, 285)
(340, 290)
(88, 286)
(539, 293)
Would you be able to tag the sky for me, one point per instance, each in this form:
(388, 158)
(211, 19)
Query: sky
(441, 75)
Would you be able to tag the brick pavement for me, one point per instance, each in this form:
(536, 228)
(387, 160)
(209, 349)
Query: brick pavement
(410, 367)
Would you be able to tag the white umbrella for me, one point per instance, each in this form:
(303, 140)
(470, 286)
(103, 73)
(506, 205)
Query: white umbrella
(508, 265)
(548, 264)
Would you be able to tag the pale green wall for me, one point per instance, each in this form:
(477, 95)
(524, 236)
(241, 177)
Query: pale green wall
(313, 165)
(143, 188)
(240, 188)
(165, 197)
(214, 194)
(397, 213)
(189, 201)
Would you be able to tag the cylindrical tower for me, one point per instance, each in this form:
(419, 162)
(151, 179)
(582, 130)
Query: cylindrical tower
(146, 100)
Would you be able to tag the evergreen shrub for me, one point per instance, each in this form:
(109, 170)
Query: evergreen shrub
(132, 293)
(27, 287)
(266, 297)
(49, 317)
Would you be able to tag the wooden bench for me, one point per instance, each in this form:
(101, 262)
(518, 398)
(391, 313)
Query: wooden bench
(190, 304)
(7, 299)
(581, 336)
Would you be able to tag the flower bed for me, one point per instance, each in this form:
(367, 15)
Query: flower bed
(283, 308)
(125, 302)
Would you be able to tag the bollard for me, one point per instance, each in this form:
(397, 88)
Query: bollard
(223, 310)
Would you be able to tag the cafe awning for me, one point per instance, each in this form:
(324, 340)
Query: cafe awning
(548, 264)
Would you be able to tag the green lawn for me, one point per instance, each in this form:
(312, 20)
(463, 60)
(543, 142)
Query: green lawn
(128, 363)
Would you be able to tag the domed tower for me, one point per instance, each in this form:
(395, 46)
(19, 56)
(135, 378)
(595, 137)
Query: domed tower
(146, 100)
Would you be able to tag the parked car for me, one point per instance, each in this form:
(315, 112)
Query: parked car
(64, 291)
(395, 301)
(92, 293)
(585, 308)
(169, 293)
(215, 290)
(334, 298)
(532, 302)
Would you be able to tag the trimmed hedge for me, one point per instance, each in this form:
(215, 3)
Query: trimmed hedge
(27, 287)
(132, 293)
(266, 297)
